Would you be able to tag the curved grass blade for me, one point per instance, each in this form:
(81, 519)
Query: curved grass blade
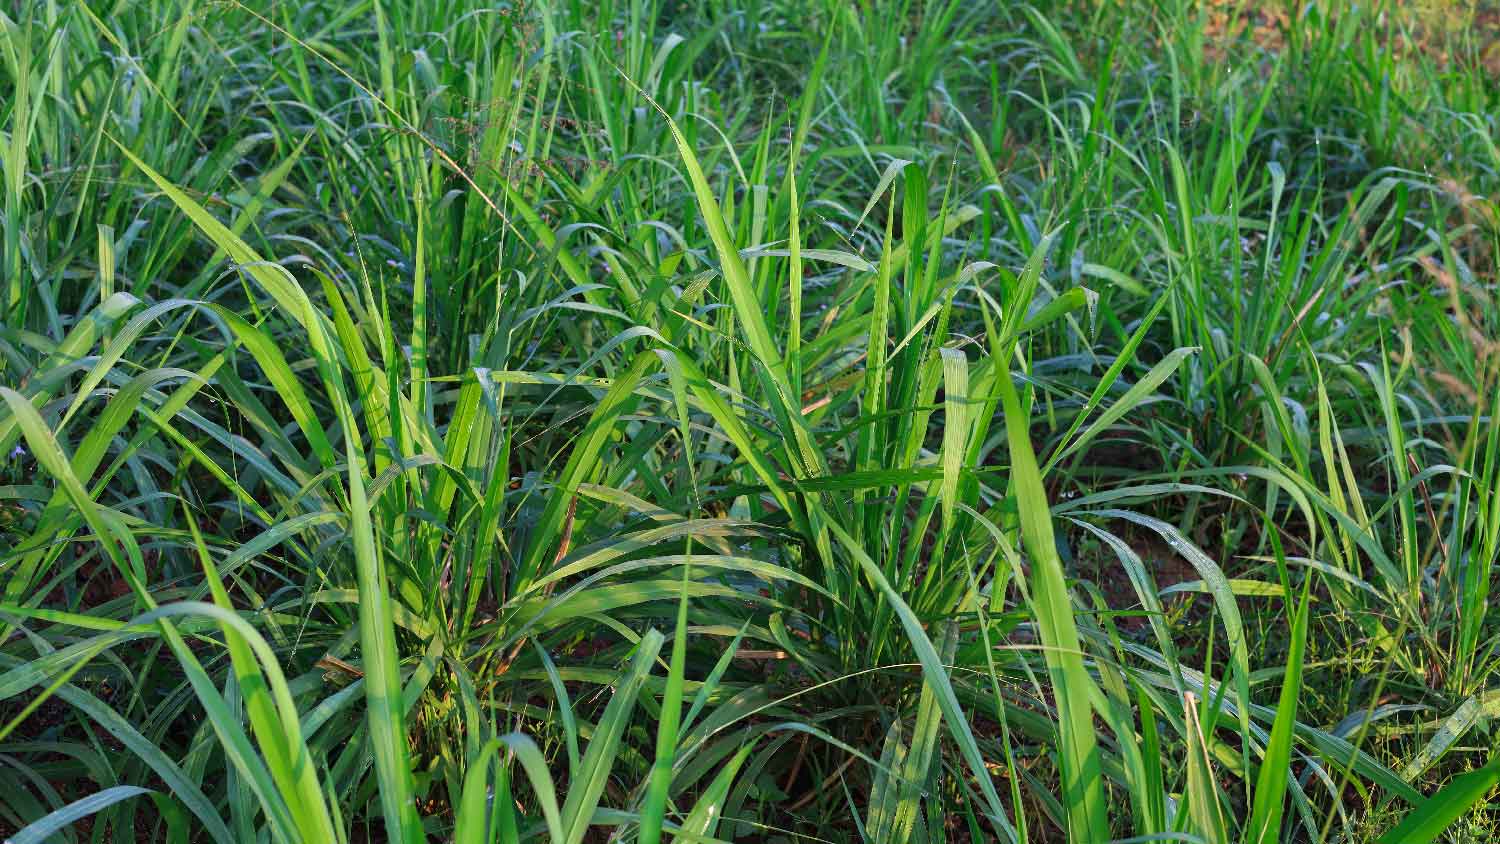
(1435, 814)
(40, 830)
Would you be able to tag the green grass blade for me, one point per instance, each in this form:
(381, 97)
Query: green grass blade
(42, 829)
(1269, 799)
(595, 769)
(934, 672)
(1435, 814)
(654, 807)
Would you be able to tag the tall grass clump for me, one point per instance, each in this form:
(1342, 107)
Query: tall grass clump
(897, 420)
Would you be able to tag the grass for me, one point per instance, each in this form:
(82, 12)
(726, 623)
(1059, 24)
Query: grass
(895, 420)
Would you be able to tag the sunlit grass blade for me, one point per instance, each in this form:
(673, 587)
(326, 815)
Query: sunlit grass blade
(1072, 687)
(594, 770)
(660, 778)
(1269, 797)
